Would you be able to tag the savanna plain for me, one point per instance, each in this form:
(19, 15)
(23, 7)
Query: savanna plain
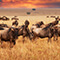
(38, 49)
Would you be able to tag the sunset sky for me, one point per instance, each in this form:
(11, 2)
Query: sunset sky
(29, 3)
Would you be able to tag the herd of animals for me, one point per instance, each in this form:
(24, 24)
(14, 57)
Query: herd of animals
(4, 18)
(39, 29)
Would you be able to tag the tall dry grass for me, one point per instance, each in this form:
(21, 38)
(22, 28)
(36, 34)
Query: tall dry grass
(39, 49)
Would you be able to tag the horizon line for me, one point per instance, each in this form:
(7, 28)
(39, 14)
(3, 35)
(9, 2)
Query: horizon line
(28, 8)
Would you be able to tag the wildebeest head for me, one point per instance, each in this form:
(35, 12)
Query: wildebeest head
(39, 24)
(57, 18)
(15, 23)
(48, 27)
(26, 23)
(52, 29)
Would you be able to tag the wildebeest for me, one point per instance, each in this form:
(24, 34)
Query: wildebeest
(47, 16)
(53, 23)
(56, 31)
(15, 18)
(3, 25)
(57, 28)
(43, 32)
(52, 16)
(5, 18)
(15, 23)
(24, 30)
(8, 34)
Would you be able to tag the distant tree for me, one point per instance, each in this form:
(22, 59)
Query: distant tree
(33, 9)
(28, 12)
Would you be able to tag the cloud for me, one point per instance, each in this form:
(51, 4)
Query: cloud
(0, 0)
(29, 3)
(55, 4)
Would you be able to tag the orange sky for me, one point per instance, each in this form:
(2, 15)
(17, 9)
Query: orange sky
(29, 3)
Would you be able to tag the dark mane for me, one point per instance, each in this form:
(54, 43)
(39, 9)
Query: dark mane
(9, 30)
(1, 28)
(47, 26)
(37, 25)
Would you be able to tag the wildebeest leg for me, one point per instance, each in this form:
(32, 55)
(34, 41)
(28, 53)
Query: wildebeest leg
(57, 37)
(23, 39)
(10, 43)
(0, 42)
(14, 42)
(34, 37)
(50, 36)
(54, 37)
(49, 39)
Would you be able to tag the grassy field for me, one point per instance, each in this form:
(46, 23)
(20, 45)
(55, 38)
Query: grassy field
(38, 49)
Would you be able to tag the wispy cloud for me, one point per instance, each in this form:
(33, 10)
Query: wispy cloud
(29, 3)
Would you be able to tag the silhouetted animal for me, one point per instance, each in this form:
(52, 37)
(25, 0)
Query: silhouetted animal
(5, 18)
(53, 16)
(3, 25)
(15, 18)
(15, 23)
(47, 16)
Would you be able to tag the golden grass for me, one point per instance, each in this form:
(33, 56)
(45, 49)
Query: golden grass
(38, 49)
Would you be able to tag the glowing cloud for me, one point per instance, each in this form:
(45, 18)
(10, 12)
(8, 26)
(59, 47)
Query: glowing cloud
(29, 3)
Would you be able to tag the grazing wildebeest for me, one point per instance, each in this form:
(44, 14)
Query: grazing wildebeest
(3, 25)
(15, 23)
(8, 34)
(52, 16)
(5, 18)
(47, 16)
(15, 18)
(24, 30)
